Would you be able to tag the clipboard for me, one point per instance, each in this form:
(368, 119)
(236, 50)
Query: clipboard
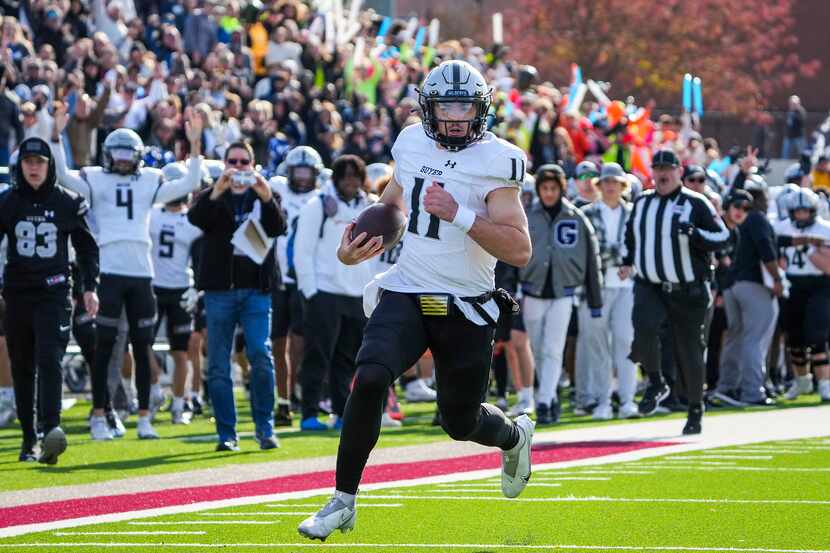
(250, 239)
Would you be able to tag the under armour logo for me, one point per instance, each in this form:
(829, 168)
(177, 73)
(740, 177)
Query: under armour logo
(48, 213)
(450, 164)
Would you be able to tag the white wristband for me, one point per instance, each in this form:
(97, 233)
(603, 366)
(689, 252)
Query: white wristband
(465, 218)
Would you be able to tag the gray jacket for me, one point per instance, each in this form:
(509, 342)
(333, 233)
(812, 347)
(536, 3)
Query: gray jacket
(569, 245)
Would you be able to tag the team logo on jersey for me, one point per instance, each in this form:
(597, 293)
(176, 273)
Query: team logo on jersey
(48, 214)
(430, 171)
(566, 233)
(450, 164)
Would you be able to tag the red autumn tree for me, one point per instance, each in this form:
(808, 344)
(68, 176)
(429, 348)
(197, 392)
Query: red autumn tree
(744, 50)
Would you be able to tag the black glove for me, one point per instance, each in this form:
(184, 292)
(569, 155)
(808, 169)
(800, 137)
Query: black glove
(685, 228)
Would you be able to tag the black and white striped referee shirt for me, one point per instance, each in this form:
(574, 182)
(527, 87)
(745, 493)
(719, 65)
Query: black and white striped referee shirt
(657, 248)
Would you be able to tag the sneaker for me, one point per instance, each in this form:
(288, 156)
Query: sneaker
(522, 407)
(283, 416)
(584, 410)
(388, 422)
(693, 421)
(179, 416)
(53, 444)
(763, 401)
(728, 397)
(157, 401)
(603, 412)
(502, 404)
(418, 392)
(653, 396)
(335, 423)
(8, 411)
(629, 410)
(115, 424)
(312, 424)
(271, 442)
(335, 515)
(515, 463)
(824, 390)
(99, 429)
(543, 414)
(801, 385)
(196, 406)
(555, 411)
(228, 445)
(393, 407)
(145, 429)
(28, 451)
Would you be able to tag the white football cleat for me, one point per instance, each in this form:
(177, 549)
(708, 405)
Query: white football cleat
(603, 412)
(417, 391)
(115, 424)
(8, 410)
(824, 390)
(515, 463)
(99, 429)
(629, 411)
(179, 416)
(145, 429)
(522, 407)
(386, 421)
(801, 385)
(335, 515)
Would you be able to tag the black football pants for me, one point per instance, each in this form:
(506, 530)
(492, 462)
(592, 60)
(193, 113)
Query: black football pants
(37, 332)
(394, 339)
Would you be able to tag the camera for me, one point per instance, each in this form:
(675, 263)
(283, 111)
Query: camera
(244, 178)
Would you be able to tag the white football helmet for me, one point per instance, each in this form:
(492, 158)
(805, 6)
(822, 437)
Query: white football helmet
(122, 152)
(804, 198)
(454, 86)
(302, 156)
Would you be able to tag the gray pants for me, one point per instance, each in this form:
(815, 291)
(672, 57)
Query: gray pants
(751, 314)
(603, 345)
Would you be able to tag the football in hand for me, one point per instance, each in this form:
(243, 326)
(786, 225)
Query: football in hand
(380, 220)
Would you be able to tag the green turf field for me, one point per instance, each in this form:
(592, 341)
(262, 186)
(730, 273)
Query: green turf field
(761, 497)
(192, 447)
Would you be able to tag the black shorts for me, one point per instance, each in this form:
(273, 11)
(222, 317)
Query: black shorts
(199, 319)
(806, 313)
(179, 322)
(286, 312)
(397, 335)
(573, 324)
(518, 322)
(135, 294)
(2, 316)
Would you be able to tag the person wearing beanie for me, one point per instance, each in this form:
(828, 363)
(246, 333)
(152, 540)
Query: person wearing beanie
(38, 219)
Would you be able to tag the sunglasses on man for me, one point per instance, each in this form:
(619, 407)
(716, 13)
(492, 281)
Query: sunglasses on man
(234, 161)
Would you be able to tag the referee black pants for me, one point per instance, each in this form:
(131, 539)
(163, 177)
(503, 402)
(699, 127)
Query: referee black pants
(685, 310)
(37, 332)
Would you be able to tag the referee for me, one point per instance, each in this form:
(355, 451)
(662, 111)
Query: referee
(669, 239)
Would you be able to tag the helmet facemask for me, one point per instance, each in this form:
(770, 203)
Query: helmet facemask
(455, 122)
(302, 178)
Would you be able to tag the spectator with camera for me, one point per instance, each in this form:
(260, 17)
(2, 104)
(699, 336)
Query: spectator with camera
(238, 290)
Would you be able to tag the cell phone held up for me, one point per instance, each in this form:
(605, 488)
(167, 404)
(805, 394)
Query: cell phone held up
(244, 178)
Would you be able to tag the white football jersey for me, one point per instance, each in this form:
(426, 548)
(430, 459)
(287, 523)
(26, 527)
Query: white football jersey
(172, 236)
(798, 257)
(440, 257)
(387, 259)
(291, 203)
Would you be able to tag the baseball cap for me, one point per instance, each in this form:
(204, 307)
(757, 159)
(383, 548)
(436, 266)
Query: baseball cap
(665, 158)
(612, 171)
(586, 169)
(34, 147)
(693, 171)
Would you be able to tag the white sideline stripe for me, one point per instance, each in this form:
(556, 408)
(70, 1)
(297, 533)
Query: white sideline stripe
(257, 514)
(200, 522)
(423, 546)
(569, 478)
(760, 469)
(715, 455)
(572, 499)
(136, 533)
(774, 451)
(800, 424)
(360, 504)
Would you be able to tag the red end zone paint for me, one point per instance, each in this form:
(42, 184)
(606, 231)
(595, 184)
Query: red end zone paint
(92, 506)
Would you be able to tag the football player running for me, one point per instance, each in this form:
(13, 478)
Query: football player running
(303, 166)
(459, 185)
(121, 195)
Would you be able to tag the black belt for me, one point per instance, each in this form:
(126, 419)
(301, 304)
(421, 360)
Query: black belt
(670, 287)
(504, 300)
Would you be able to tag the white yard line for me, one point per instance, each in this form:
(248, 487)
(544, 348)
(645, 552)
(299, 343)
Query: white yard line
(359, 503)
(136, 533)
(535, 480)
(258, 514)
(200, 522)
(668, 466)
(388, 546)
(572, 499)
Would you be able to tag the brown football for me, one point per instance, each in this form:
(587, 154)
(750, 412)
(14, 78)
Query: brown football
(380, 220)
